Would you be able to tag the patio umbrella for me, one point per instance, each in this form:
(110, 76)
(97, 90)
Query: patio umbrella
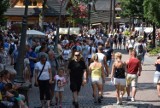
(35, 33)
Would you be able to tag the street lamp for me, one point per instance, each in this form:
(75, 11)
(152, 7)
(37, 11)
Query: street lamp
(21, 52)
(58, 26)
(90, 5)
(41, 17)
(113, 16)
(110, 17)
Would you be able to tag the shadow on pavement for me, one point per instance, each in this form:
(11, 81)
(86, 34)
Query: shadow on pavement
(144, 86)
(148, 70)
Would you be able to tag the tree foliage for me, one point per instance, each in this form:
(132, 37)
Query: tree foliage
(132, 8)
(78, 10)
(4, 4)
(152, 11)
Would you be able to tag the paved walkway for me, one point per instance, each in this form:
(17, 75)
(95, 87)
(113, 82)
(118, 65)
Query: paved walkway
(146, 95)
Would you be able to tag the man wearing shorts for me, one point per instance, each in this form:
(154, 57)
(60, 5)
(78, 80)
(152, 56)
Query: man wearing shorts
(134, 69)
(77, 71)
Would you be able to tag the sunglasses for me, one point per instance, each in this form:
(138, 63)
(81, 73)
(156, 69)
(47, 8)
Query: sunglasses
(77, 55)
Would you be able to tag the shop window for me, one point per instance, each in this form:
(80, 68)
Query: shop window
(31, 2)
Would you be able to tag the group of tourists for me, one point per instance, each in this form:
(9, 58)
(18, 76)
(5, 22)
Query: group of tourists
(76, 62)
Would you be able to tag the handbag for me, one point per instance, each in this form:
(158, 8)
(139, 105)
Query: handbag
(35, 84)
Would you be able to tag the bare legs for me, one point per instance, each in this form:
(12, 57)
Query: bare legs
(94, 88)
(58, 98)
(158, 88)
(133, 92)
(120, 90)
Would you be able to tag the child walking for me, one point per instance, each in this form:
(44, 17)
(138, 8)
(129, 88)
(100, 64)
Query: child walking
(60, 82)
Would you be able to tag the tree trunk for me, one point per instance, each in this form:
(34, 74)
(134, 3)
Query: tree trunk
(130, 24)
(154, 35)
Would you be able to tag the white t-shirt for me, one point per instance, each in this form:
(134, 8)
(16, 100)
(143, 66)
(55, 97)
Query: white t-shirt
(59, 83)
(45, 73)
(101, 57)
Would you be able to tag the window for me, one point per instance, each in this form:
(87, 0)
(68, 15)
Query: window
(31, 2)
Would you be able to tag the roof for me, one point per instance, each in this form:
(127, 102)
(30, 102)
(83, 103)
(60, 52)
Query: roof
(104, 4)
(104, 16)
(102, 13)
(53, 9)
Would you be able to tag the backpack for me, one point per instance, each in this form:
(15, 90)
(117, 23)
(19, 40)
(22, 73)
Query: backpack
(106, 53)
(12, 48)
(140, 49)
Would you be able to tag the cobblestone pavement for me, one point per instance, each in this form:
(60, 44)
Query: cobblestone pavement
(146, 96)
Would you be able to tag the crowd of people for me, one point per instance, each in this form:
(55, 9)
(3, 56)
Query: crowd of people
(76, 62)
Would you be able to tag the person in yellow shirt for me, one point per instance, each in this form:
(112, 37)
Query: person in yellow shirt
(97, 77)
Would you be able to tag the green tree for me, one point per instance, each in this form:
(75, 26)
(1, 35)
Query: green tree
(152, 10)
(132, 9)
(151, 13)
(4, 4)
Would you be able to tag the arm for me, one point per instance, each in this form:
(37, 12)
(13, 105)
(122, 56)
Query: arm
(85, 75)
(8, 94)
(113, 71)
(50, 75)
(89, 69)
(105, 65)
(139, 69)
(103, 74)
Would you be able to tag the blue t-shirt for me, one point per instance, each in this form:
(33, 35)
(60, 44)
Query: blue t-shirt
(31, 54)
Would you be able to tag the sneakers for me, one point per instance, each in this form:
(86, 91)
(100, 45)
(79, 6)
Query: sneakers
(119, 103)
(132, 99)
(128, 98)
(76, 105)
(99, 100)
(60, 106)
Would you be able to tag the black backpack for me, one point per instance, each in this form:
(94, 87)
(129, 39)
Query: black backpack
(106, 53)
(11, 49)
(140, 49)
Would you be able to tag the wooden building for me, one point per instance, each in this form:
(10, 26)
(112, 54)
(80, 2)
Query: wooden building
(52, 11)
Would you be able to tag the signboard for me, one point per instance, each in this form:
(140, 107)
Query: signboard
(73, 30)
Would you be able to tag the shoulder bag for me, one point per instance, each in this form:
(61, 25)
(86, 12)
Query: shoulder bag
(35, 84)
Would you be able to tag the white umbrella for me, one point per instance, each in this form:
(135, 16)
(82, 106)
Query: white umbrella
(35, 33)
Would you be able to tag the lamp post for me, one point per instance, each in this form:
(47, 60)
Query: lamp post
(110, 17)
(113, 16)
(42, 14)
(58, 26)
(21, 52)
(89, 13)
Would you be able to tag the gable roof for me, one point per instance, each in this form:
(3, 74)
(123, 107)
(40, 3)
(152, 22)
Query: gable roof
(102, 5)
(53, 9)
